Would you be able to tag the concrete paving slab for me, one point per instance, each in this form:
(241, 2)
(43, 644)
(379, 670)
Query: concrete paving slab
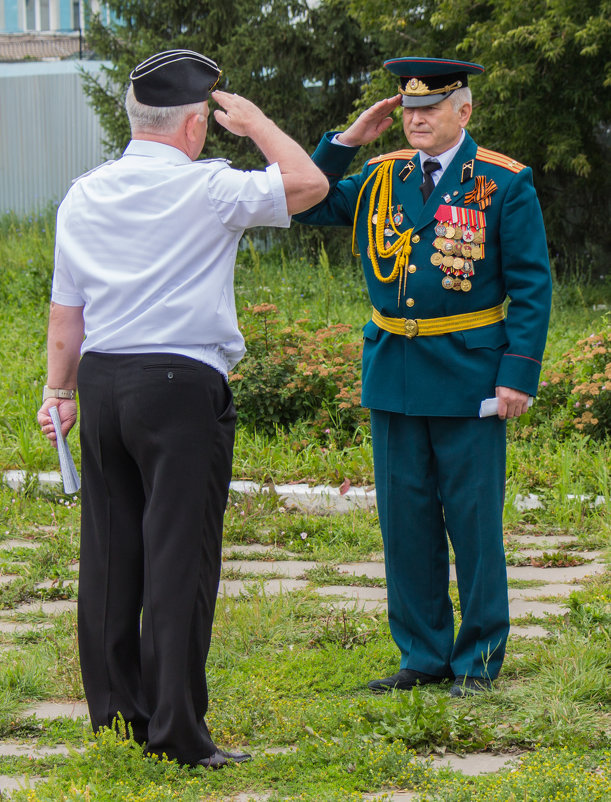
(250, 548)
(14, 543)
(10, 783)
(533, 631)
(552, 575)
(74, 710)
(272, 587)
(527, 554)
(374, 570)
(12, 628)
(391, 796)
(54, 583)
(543, 540)
(357, 605)
(354, 592)
(557, 589)
(46, 607)
(288, 568)
(519, 608)
(8, 578)
(530, 501)
(476, 763)
(46, 479)
(15, 749)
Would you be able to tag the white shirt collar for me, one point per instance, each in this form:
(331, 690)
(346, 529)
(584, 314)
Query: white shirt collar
(444, 158)
(147, 147)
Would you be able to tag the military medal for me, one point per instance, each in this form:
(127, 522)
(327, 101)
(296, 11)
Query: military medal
(459, 242)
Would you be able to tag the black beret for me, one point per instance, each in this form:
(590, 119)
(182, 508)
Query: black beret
(426, 81)
(174, 78)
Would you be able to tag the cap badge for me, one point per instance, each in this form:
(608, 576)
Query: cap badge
(416, 87)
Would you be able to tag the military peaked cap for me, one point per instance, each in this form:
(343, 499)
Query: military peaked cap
(174, 78)
(426, 81)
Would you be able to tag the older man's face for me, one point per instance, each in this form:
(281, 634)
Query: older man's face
(435, 129)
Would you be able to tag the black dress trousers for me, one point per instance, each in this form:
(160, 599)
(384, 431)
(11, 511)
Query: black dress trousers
(157, 433)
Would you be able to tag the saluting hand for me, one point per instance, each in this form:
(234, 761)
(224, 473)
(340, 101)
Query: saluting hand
(240, 116)
(371, 123)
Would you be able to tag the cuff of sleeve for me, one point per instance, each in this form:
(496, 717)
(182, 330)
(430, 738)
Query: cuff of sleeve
(282, 218)
(519, 372)
(333, 159)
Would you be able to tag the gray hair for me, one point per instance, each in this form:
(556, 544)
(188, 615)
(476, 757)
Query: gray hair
(461, 96)
(157, 119)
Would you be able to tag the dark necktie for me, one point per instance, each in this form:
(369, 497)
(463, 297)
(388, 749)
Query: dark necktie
(429, 167)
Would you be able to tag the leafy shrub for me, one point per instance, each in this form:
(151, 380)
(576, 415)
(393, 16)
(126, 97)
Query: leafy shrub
(291, 374)
(576, 391)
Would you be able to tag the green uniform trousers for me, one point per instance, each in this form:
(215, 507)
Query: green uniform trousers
(438, 475)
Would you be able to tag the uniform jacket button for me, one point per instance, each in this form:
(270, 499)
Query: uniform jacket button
(410, 302)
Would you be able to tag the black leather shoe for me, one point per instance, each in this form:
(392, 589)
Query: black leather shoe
(220, 759)
(469, 686)
(404, 680)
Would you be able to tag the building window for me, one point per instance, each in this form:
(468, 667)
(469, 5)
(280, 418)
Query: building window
(40, 15)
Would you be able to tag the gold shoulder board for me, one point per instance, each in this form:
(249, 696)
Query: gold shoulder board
(492, 157)
(397, 154)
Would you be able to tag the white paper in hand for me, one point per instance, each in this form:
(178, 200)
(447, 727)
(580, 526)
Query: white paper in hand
(490, 406)
(70, 475)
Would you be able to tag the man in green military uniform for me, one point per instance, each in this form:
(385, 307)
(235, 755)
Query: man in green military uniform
(447, 231)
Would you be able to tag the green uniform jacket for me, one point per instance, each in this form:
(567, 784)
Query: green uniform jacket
(448, 374)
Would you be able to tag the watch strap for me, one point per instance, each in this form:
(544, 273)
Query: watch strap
(51, 392)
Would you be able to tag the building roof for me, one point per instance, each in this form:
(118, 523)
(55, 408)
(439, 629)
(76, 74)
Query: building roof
(41, 46)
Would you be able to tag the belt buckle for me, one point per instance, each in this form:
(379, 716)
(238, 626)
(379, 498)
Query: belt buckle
(411, 328)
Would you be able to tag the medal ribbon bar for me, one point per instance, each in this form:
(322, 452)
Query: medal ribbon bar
(458, 214)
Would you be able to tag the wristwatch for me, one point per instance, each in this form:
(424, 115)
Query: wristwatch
(50, 392)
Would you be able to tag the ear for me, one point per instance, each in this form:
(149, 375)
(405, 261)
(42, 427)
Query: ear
(193, 126)
(464, 114)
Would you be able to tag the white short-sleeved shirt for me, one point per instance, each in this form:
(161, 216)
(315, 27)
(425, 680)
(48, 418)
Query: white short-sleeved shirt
(147, 245)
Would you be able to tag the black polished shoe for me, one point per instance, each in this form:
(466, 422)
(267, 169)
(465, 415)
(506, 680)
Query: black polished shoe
(221, 758)
(404, 680)
(470, 686)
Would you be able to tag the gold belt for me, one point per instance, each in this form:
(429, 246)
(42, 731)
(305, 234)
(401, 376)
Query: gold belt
(438, 325)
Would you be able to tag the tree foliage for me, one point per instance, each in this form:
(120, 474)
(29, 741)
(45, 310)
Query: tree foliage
(544, 99)
(303, 66)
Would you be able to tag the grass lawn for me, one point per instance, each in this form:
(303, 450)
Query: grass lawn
(287, 674)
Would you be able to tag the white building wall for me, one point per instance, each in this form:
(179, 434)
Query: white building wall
(49, 134)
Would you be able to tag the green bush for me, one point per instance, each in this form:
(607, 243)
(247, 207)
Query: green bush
(575, 392)
(291, 374)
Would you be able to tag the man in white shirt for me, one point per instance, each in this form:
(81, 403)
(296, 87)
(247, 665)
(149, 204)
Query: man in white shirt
(145, 253)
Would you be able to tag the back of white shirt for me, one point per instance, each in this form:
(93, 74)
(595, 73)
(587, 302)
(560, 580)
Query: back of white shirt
(147, 244)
